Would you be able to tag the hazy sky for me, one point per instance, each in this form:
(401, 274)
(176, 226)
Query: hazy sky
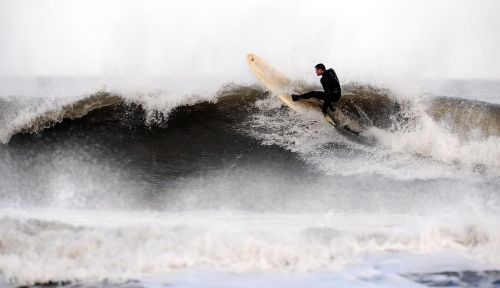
(393, 38)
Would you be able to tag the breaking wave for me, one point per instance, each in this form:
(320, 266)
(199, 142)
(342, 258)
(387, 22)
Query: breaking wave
(460, 132)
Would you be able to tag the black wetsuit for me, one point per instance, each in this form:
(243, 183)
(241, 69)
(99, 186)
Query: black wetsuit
(332, 92)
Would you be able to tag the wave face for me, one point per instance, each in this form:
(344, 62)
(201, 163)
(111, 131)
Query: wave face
(119, 187)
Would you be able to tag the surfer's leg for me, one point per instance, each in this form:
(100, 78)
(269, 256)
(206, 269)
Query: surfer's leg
(335, 101)
(313, 94)
(333, 105)
(327, 104)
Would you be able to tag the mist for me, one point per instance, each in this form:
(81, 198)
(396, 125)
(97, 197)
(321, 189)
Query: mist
(362, 40)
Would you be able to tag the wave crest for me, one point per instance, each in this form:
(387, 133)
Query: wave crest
(35, 121)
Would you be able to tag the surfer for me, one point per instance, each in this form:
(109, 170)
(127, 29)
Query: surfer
(331, 87)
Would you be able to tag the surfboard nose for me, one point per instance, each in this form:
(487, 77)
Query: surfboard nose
(251, 57)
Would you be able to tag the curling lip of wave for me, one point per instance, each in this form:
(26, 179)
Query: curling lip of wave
(75, 110)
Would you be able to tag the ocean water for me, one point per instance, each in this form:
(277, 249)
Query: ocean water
(138, 150)
(231, 189)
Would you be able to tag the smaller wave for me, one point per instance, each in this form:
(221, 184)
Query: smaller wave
(470, 119)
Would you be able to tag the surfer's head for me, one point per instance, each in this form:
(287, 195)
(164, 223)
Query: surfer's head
(320, 68)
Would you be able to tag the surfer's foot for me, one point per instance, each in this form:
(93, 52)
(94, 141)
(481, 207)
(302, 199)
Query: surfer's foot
(295, 97)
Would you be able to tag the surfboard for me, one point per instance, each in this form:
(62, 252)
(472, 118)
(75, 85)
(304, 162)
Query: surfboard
(281, 86)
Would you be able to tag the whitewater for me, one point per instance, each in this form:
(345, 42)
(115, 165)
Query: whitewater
(138, 150)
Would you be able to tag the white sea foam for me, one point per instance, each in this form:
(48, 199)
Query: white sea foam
(419, 149)
(92, 246)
